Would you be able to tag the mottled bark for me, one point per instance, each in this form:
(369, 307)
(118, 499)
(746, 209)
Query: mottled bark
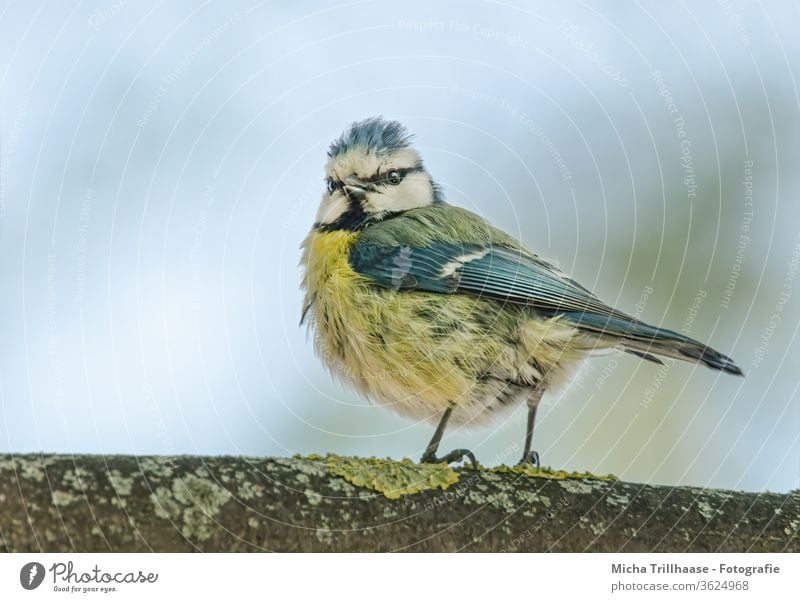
(124, 503)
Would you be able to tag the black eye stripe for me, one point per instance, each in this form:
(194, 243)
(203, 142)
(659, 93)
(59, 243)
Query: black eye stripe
(383, 177)
(380, 178)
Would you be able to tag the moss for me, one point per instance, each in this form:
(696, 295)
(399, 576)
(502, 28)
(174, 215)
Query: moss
(392, 478)
(549, 473)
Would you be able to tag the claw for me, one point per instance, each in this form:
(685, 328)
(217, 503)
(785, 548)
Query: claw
(454, 456)
(530, 458)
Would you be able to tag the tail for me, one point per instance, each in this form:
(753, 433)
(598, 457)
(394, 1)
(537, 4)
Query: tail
(648, 342)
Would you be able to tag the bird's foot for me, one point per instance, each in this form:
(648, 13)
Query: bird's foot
(454, 456)
(530, 458)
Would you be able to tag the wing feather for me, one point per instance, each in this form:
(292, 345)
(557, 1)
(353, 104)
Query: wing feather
(486, 271)
(422, 250)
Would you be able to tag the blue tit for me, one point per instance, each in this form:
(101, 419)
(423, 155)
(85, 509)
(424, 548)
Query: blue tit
(427, 309)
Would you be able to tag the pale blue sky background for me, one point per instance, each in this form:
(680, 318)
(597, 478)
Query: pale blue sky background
(161, 163)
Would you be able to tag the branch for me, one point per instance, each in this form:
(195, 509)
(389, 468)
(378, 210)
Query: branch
(56, 503)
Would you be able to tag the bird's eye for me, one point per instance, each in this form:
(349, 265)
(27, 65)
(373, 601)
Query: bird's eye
(394, 177)
(331, 186)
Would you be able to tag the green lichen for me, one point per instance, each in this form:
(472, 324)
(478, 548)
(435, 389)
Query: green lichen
(202, 498)
(32, 469)
(78, 479)
(194, 500)
(157, 466)
(324, 536)
(392, 478)
(529, 470)
(313, 497)
(29, 469)
(309, 465)
(64, 498)
(576, 487)
(504, 501)
(248, 490)
(618, 500)
(121, 484)
(706, 510)
(597, 528)
(165, 506)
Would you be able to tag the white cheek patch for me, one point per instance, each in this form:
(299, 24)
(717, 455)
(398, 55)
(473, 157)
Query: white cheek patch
(331, 208)
(414, 191)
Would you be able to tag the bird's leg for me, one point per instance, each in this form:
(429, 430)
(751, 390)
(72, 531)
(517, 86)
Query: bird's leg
(454, 456)
(529, 456)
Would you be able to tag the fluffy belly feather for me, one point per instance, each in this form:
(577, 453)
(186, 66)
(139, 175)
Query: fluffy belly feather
(418, 353)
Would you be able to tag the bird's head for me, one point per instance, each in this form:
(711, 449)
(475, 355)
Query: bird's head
(373, 173)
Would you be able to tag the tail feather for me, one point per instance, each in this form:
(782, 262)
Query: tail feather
(645, 356)
(647, 341)
(686, 349)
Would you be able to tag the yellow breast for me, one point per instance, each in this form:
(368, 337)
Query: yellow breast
(325, 260)
(331, 288)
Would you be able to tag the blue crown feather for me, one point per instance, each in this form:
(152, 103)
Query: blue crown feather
(375, 134)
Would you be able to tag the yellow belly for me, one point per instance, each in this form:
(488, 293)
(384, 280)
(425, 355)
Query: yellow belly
(419, 352)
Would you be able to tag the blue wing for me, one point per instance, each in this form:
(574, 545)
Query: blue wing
(514, 276)
(487, 271)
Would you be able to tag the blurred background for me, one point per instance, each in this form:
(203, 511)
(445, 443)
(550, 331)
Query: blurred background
(162, 162)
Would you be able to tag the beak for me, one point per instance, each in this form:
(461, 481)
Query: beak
(352, 188)
(355, 194)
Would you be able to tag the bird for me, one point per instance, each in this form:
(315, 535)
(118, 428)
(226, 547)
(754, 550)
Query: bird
(426, 308)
